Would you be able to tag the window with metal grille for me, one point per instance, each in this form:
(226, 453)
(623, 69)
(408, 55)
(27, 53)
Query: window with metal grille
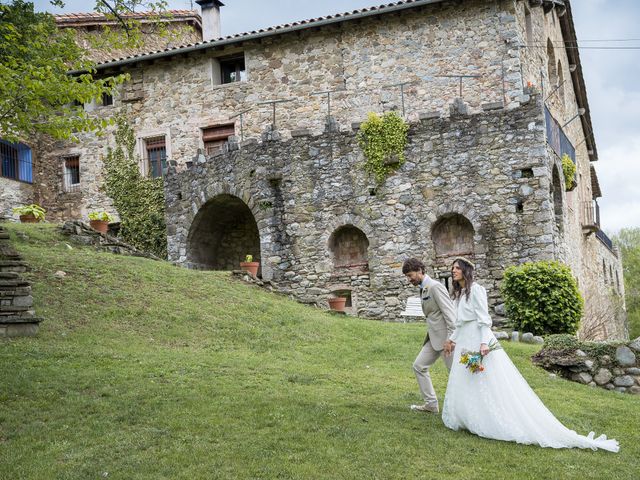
(107, 100)
(71, 174)
(215, 137)
(156, 155)
(16, 162)
(232, 69)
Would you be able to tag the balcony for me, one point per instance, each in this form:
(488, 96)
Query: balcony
(590, 221)
(590, 217)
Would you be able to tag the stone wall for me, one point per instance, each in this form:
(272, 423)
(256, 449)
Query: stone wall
(178, 96)
(13, 194)
(489, 168)
(614, 367)
(545, 65)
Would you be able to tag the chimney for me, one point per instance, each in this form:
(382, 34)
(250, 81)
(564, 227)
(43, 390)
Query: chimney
(210, 18)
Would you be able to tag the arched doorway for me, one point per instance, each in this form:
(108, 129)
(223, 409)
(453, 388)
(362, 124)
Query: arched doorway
(222, 234)
(556, 197)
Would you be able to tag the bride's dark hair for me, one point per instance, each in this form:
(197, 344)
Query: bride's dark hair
(467, 274)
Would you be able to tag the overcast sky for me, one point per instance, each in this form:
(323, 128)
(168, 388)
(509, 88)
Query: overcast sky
(610, 74)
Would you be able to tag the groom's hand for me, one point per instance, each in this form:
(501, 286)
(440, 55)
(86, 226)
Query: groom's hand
(448, 347)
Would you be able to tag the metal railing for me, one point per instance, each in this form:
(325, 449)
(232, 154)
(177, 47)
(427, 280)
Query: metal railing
(15, 161)
(600, 235)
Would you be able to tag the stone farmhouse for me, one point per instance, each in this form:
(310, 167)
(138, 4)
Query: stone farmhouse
(256, 137)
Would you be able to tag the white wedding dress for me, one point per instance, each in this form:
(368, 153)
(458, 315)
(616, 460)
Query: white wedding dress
(498, 403)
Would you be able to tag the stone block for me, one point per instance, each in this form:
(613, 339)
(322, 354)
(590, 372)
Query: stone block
(625, 356)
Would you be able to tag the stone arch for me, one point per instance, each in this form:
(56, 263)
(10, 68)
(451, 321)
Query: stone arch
(452, 235)
(223, 232)
(556, 196)
(551, 65)
(349, 248)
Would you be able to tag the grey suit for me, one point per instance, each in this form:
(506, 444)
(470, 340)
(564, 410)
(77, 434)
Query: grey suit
(438, 307)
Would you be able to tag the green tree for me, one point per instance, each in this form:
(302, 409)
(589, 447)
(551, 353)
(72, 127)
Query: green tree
(37, 94)
(628, 241)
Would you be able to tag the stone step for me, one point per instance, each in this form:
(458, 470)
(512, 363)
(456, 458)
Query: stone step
(8, 309)
(16, 282)
(19, 319)
(8, 275)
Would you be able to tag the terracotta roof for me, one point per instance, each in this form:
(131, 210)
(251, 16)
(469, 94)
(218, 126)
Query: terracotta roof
(278, 29)
(91, 18)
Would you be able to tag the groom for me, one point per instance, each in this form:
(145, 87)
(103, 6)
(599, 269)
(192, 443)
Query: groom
(440, 312)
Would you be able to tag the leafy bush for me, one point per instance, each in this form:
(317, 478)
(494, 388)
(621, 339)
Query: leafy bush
(383, 140)
(139, 200)
(542, 297)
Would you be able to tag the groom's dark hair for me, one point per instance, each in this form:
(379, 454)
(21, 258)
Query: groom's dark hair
(412, 265)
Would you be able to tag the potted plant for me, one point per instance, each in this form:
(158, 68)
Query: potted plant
(250, 266)
(30, 213)
(99, 221)
(337, 303)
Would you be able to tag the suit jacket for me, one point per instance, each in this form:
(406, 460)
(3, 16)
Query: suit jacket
(438, 307)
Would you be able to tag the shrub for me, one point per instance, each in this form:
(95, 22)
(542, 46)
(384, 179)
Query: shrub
(139, 200)
(542, 298)
(569, 171)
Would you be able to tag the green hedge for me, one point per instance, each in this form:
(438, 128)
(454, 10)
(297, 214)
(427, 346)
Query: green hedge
(542, 298)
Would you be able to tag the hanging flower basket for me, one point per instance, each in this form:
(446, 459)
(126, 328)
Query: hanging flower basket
(337, 303)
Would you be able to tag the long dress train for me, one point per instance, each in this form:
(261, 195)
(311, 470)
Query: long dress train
(498, 402)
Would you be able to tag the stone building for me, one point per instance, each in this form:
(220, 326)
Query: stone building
(255, 134)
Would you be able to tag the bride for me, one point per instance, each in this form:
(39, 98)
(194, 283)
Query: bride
(497, 402)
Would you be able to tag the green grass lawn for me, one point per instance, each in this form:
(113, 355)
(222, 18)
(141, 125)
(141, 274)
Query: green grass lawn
(143, 370)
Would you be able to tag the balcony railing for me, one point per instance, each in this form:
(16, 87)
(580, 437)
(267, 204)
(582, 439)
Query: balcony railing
(556, 137)
(600, 235)
(590, 217)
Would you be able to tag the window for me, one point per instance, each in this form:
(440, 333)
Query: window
(232, 69)
(215, 137)
(71, 180)
(156, 155)
(107, 99)
(560, 82)
(528, 25)
(15, 161)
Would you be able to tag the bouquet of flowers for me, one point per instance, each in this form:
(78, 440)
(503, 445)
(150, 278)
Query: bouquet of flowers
(473, 360)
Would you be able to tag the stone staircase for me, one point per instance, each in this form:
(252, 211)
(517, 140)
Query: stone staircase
(17, 316)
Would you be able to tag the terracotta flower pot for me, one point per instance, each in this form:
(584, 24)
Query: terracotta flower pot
(337, 303)
(251, 267)
(28, 218)
(99, 225)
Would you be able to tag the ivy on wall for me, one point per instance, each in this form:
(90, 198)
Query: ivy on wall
(383, 140)
(139, 200)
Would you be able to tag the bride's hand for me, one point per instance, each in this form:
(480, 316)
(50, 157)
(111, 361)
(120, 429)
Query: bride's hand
(484, 349)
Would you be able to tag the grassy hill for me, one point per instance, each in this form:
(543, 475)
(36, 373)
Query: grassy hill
(143, 370)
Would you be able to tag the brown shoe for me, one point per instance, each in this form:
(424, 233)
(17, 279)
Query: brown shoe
(425, 408)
